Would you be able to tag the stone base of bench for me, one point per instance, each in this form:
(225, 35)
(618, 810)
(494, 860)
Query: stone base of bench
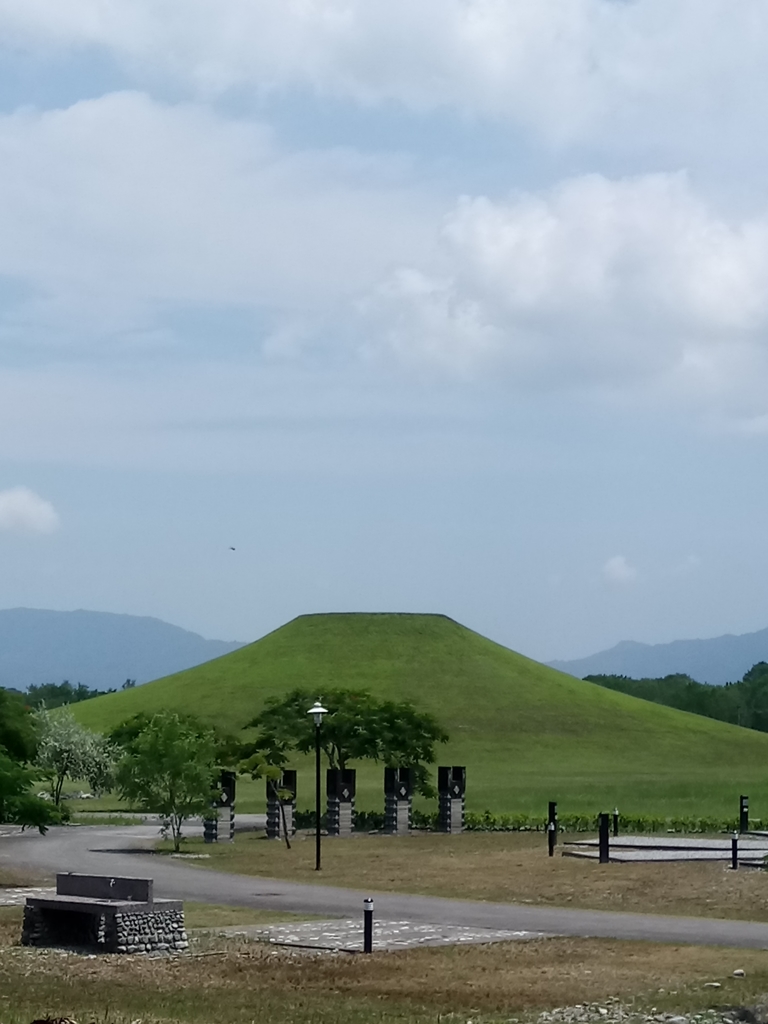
(105, 926)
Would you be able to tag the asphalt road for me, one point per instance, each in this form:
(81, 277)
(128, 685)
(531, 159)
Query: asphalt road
(125, 851)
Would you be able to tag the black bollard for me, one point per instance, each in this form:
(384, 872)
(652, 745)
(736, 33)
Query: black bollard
(735, 851)
(604, 841)
(368, 925)
(551, 838)
(616, 821)
(552, 819)
(743, 814)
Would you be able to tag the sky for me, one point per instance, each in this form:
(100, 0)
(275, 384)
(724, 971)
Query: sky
(452, 306)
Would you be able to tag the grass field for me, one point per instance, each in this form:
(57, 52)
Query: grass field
(527, 733)
(234, 982)
(498, 867)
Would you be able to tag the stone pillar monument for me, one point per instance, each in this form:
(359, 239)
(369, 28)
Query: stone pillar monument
(279, 809)
(226, 828)
(221, 829)
(340, 790)
(398, 796)
(451, 785)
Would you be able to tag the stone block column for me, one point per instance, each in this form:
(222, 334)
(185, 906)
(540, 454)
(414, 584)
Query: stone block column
(451, 786)
(398, 798)
(221, 828)
(340, 790)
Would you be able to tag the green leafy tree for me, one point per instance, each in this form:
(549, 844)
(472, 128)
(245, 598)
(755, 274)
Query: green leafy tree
(17, 746)
(67, 750)
(357, 727)
(169, 768)
(56, 695)
(17, 727)
(17, 804)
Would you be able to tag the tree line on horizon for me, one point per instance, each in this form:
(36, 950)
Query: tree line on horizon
(742, 703)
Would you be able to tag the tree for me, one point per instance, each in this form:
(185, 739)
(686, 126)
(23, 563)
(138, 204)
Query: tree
(67, 750)
(55, 695)
(17, 805)
(17, 745)
(17, 727)
(169, 768)
(357, 727)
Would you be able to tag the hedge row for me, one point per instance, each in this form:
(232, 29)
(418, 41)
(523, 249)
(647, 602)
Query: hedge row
(373, 821)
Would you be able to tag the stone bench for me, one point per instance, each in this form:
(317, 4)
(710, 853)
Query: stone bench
(105, 915)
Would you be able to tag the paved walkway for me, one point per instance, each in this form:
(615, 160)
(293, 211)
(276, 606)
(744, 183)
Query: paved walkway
(347, 935)
(753, 849)
(118, 851)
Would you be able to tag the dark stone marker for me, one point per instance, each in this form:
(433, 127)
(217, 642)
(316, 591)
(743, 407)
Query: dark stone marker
(451, 787)
(735, 851)
(603, 832)
(368, 925)
(398, 797)
(340, 791)
(102, 887)
(551, 838)
(616, 821)
(743, 814)
(221, 829)
(552, 818)
(280, 812)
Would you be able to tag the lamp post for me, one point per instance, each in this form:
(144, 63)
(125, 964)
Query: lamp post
(317, 711)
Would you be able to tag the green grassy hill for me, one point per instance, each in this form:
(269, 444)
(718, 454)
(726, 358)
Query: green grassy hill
(526, 732)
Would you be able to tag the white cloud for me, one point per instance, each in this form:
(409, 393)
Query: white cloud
(596, 282)
(619, 570)
(23, 511)
(568, 68)
(117, 210)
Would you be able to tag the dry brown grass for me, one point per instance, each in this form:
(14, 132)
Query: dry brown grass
(411, 985)
(502, 867)
(13, 877)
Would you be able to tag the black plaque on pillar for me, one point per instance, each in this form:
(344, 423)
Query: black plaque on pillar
(340, 784)
(227, 787)
(287, 784)
(452, 781)
(398, 782)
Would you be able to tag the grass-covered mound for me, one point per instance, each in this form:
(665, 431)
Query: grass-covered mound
(526, 732)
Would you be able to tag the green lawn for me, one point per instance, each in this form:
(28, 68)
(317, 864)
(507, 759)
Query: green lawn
(527, 733)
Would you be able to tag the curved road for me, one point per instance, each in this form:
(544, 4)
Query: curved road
(125, 851)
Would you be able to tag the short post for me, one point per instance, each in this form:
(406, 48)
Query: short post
(368, 925)
(615, 821)
(743, 814)
(551, 838)
(735, 851)
(552, 818)
(605, 855)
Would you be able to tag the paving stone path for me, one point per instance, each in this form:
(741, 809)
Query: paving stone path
(348, 934)
(753, 849)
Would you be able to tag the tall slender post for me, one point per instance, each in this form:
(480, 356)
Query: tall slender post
(616, 821)
(317, 796)
(604, 848)
(317, 712)
(552, 819)
(735, 851)
(368, 925)
(743, 814)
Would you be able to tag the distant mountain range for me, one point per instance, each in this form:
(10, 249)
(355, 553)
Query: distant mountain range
(723, 659)
(98, 649)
